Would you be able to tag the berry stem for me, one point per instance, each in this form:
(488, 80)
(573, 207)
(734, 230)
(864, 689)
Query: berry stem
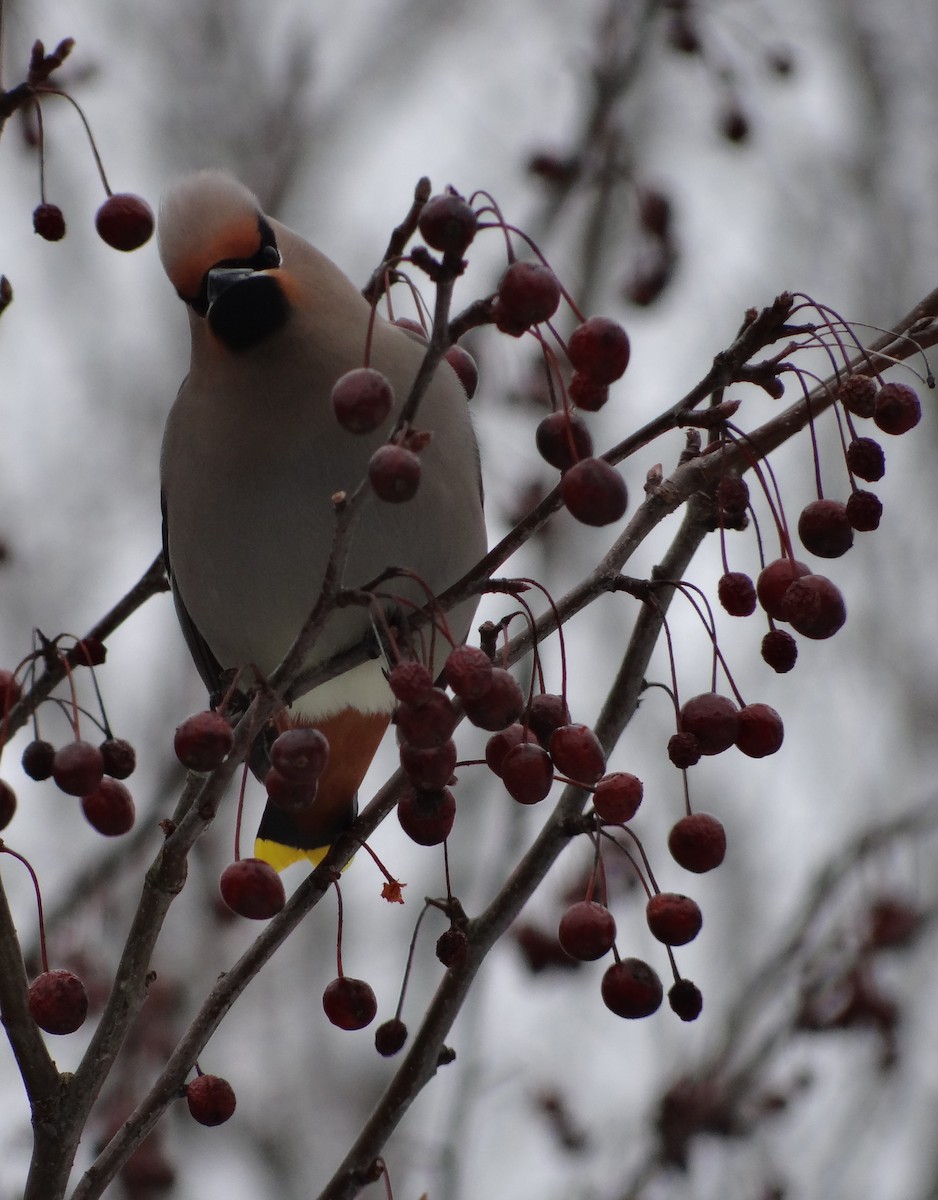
(52, 91)
(5, 849)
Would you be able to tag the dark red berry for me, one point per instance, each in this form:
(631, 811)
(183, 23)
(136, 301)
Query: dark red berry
(410, 682)
(761, 731)
(78, 768)
(527, 294)
(732, 498)
(631, 989)
(427, 816)
(211, 1099)
(300, 754)
(469, 672)
(814, 607)
(577, 753)
(587, 930)
(390, 1037)
(88, 652)
(857, 393)
(685, 1000)
(452, 946)
(252, 888)
(349, 1003)
(499, 744)
(898, 408)
(447, 223)
(654, 211)
(7, 804)
(594, 492)
(864, 510)
(586, 393)
(545, 713)
(394, 473)
(866, 459)
(780, 650)
(617, 797)
(109, 808)
(362, 400)
(10, 690)
(498, 707)
(773, 582)
(290, 795)
(429, 769)
(673, 919)
(713, 720)
(58, 1002)
(824, 528)
(202, 741)
(562, 439)
(466, 368)
(697, 842)
(599, 349)
(683, 749)
(737, 594)
(48, 222)
(120, 758)
(527, 772)
(429, 723)
(124, 221)
(38, 758)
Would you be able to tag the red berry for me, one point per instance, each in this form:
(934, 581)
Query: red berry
(10, 690)
(527, 294)
(594, 492)
(109, 808)
(469, 672)
(866, 459)
(498, 707)
(577, 753)
(864, 510)
(814, 607)
(447, 223)
(78, 768)
(631, 989)
(857, 393)
(562, 439)
(617, 797)
(452, 946)
(737, 593)
(898, 408)
(120, 758)
(289, 795)
(37, 760)
(362, 400)
(761, 731)
(202, 741)
(586, 393)
(779, 650)
(7, 804)
(48, 222)
(211, 1099)
(252, 888)
(429, 769)
(300, 754)
(587, 930)
(410, 682)
(527, 772)
(499, 744)
(824, 528)
(429, 723)
(673, 919)
(683, 749)
(349, 1003)
(58, 1002)
(713, 720)
(466, 368)
(394, 473)
(427, 816)
(599, 349)
(545, 713)
(124, 221)
(773, 582)
(390, 1037)
(685, 999)
(697, 843)
(732, 498)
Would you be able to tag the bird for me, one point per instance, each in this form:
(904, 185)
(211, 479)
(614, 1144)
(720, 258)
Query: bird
(252, 456)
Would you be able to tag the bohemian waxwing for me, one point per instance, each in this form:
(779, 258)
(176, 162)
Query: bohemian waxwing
(253, 453)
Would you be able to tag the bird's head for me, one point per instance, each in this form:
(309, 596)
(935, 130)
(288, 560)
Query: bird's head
(221, 255)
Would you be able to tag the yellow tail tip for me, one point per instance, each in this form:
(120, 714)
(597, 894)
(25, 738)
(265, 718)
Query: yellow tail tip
(280, 857)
